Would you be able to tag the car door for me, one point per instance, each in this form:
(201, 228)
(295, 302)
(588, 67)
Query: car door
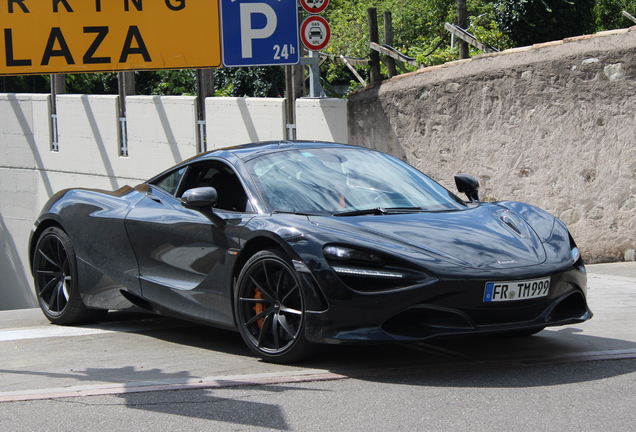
(185, 257)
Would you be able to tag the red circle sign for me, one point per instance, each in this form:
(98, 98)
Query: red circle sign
(315, 33)
(314, 6)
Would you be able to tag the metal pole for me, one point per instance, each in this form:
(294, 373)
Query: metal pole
(290, 102)
(121, 84)
(53, 80)
(315, 89)
(205, 88)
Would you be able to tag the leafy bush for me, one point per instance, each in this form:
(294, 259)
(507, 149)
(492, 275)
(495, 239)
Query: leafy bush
(527, 22)
(251, 81)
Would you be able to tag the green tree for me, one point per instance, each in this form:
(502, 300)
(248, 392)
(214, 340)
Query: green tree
(418, 27)
(92, 83)
(180, 82)
(25, 84)
(527, 22)
(250, 81)
(608, 14)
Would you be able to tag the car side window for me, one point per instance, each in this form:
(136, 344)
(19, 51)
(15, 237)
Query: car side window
(170, 182)
(231, 195)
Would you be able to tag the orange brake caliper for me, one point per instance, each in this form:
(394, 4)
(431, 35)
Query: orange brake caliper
(259, 307)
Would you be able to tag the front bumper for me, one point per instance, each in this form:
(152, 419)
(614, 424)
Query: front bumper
(449, 307)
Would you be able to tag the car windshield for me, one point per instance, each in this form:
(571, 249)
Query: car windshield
(345, 181)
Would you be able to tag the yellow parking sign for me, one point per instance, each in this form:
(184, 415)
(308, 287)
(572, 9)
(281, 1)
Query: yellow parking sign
(71, 36)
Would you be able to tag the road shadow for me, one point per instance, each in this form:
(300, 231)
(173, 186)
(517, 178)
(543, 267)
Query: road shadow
(173, 330)
(475, 353)
(476, 362)
(186, 403)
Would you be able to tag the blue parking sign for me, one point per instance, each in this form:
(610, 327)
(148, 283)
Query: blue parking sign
(259, 32)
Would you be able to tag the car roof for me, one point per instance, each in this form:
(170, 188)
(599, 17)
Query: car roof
(246, 152)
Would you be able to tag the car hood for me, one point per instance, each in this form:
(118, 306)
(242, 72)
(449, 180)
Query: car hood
(486, 236)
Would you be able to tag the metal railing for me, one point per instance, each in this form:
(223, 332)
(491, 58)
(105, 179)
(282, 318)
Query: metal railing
(123, 148)
(55, 145)
(202, 138)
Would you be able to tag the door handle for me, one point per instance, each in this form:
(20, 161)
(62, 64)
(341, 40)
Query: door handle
(155, 198)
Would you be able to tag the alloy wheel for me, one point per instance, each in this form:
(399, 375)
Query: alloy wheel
(271, 305)
(53, 274)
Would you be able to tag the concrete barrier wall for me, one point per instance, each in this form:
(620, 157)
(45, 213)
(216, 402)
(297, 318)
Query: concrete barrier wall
(322, 119)
(162, 131)
(24, 132)
(231, 121)
(552, 125)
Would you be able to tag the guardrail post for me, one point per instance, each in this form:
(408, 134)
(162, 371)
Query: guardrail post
(388, 39)
(462, 21)
(58, 86)
(205, 88)
(374, 73)
(126, 84)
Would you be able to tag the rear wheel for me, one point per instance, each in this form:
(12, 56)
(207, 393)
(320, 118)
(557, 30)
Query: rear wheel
(270, 308)
(55, 277)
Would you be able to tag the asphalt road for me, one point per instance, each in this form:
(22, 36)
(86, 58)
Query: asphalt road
(141, 373)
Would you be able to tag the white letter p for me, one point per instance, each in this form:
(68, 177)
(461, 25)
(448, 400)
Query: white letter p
(248, 33)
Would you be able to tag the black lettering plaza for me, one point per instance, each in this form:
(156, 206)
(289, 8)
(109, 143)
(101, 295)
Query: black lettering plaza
(56, 46)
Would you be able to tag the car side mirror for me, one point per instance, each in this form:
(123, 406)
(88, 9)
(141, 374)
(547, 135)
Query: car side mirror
(468, 185)
(201, 197)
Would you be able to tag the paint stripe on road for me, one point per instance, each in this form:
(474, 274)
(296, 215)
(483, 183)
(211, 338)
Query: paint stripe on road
(61, 331)
(189, 384)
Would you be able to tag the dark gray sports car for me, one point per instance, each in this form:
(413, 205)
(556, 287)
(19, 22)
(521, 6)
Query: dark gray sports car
(299, 243)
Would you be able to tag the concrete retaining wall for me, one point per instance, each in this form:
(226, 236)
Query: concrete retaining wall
(553, 125)
(162, 131)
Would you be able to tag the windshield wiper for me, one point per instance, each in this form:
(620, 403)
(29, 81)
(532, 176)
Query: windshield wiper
(298, 213)
(380, 211)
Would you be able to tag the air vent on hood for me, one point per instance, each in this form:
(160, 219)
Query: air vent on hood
(511, 221)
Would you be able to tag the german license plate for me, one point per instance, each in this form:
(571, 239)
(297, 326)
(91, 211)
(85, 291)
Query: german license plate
(516, 290)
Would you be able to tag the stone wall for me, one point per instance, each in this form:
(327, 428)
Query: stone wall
(553, 125)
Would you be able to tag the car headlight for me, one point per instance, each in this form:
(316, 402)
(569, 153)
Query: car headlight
(576, 255)
(341, 253)
(372, 272)
(367, 272)
(577, 261)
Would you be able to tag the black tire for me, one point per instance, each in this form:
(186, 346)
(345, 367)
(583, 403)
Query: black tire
(56, 284)
(270, 308)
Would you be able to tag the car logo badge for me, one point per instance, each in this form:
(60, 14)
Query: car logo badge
(507, 262)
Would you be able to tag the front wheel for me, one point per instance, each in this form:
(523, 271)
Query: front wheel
(270, 308)
(55, 277)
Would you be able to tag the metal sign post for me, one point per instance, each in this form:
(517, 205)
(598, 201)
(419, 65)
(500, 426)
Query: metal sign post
(313, 61)
(315, 34)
